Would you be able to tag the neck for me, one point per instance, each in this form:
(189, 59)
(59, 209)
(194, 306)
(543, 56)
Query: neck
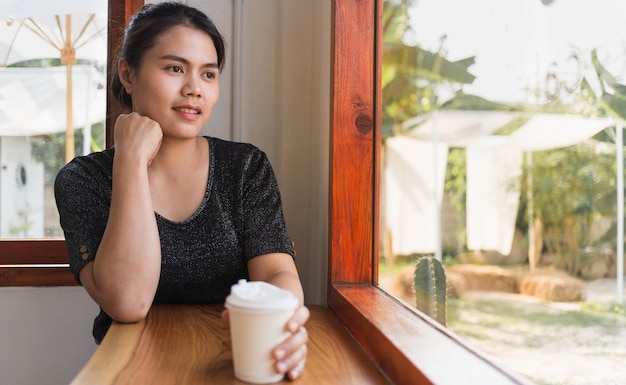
(180, 157)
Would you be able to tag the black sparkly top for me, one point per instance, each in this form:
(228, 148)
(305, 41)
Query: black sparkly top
(239, 218)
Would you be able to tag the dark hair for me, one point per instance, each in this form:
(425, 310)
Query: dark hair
(145, 28)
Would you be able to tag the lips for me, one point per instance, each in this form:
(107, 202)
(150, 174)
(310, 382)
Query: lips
(188, 110)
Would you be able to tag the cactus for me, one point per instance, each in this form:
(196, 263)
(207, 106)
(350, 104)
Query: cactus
(429, 283)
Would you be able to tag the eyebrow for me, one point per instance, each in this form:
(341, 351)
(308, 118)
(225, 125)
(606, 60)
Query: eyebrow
(185, 61)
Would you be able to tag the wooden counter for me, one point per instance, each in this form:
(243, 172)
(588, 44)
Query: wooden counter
(190, 344)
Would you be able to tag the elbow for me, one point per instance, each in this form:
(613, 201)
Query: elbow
(122, 302)
(128, 311)
(129, 315)
(127, 320)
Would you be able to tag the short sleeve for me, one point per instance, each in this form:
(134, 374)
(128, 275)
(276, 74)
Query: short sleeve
(82, 191)
(264, 226)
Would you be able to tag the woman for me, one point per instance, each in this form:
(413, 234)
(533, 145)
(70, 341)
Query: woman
(168, 215)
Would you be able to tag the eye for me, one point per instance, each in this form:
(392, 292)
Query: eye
(175, 69)
(210, 75)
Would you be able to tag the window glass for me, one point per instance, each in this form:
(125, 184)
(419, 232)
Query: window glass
(502, 123)
(52, 104)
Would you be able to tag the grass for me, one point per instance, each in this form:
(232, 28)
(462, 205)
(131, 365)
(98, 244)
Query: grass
(606, 316)
(386, 269)
(505, 327)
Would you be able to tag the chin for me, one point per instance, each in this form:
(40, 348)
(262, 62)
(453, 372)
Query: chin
(183, 135)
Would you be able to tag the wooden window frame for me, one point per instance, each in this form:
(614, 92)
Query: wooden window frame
(407, 345)
(44, 262)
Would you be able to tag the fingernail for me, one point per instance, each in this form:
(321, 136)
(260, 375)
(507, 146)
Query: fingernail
(293, 326)
(282, 367)
(280, 353)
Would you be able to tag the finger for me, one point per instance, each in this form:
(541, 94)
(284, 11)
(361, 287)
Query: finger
(299, 318)
(226, 315)
(155, 151)
(291, 344)
(292, 362)
(297, 371)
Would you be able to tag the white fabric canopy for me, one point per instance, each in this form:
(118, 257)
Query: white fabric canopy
(545, 132)
(493, 192)
(33, 102)
(408, 194)
(493, 164)
(456, 128)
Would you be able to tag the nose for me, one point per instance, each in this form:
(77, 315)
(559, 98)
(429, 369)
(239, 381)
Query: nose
(192, 87)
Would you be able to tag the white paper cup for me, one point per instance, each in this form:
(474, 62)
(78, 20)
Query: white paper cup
(258, 313)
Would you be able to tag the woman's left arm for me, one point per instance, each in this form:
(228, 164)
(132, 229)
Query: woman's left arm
(279, 269)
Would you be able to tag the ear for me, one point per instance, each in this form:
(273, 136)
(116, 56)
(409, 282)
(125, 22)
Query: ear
(126, 75)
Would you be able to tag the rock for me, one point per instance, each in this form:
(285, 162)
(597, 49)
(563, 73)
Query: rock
(455, 283)
(552, 285)
(595, 263)
(403, 284)
(594, 269)
(487, 278)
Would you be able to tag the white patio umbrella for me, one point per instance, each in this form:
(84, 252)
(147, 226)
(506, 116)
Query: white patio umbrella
(30, 106)
(64, 29)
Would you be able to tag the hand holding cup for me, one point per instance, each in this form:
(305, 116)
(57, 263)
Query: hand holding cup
(268, 339)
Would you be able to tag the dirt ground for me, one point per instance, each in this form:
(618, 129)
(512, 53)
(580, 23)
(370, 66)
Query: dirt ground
(544, 353)
(548, 354)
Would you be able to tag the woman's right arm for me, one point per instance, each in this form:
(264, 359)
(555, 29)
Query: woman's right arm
(123, 277)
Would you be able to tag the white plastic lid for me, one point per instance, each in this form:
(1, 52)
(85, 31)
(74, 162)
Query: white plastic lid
(258, 296)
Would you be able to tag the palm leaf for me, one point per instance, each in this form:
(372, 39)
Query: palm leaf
(420, 63)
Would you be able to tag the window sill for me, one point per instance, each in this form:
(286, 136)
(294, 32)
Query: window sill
(408, 346)
(31, 262)
(25, 275)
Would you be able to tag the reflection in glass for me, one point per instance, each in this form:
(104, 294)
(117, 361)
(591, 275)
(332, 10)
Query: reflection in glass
(500, 124)
(52, 105)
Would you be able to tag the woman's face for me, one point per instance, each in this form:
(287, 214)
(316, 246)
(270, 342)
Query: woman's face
(176, 83)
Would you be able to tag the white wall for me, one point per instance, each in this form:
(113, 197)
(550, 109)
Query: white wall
(285, 102)
(275, 93)
(45, 334)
